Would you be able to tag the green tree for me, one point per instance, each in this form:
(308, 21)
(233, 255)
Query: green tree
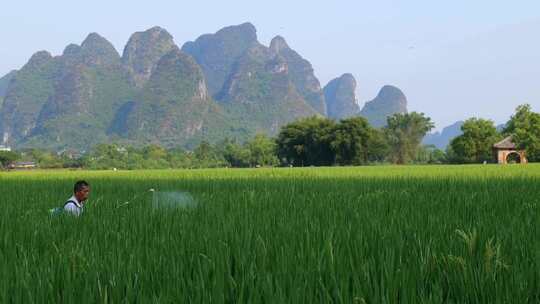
(355, 142)
(262, 151)
(106, 156)
(43, 158)
(135, 160)
(475, 145)
(204, 151)
(179, 158)
(404, 133)
(207, 156)
(234, 154)
(524, 127)
(155, 157)
(7, 157)
(154, 152)
(306, 142)
(430, 154)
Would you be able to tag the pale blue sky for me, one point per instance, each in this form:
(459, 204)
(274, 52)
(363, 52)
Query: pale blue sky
(453, 59)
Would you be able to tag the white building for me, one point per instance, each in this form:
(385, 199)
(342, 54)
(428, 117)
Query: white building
(4, 148)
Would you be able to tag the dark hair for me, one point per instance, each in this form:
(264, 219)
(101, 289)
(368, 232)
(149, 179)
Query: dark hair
(79, 186)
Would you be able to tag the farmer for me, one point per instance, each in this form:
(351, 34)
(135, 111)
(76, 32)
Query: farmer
(74, 205)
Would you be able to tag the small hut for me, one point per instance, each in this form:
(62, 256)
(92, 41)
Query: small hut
(506, 152)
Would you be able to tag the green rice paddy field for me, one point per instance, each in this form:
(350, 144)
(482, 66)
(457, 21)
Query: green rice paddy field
(411, 234)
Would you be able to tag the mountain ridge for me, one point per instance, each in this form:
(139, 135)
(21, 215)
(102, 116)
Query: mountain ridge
(443, 138)
(225, 84)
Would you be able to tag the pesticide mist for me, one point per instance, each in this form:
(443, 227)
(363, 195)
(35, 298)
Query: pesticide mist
(173, 200)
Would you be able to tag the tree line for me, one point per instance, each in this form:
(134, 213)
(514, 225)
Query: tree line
(479, 135)
(313, 141)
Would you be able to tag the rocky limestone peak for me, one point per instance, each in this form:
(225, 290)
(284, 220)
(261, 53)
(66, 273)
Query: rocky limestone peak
(172, 104)
(218, 53)
(348, 80)
(389, 101)
(245, 31)
(239, 37)
(158, 31)
(24, 100)
(301, 73)
(277, 65)
(340, 96)
(179, 74)
(4, 84)
(39, 58)
(279, 44)
(389, 92)
(98, 50)
(72, 50)
(94, 41)
(144, 50)
(178, 61)
(261, 86)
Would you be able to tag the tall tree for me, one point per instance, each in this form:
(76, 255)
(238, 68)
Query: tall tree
(306, 142)
(262, 151)
(7, 157)
(355, 142)
(430, 154)
(234, 154)
(524, 126)
(475, 145)
(154, 152)
(404, 132)
(103, 156)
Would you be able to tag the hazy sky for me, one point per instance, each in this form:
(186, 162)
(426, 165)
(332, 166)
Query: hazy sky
(453, 59)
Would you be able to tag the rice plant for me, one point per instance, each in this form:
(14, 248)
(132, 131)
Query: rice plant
(422, 234)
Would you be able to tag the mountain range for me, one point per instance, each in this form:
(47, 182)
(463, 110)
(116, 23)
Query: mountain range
(225, 84)
(443, 138)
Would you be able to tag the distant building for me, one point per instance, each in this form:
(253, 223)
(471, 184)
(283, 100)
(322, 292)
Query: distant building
(22, 165)
(506, 152)
(4, 148)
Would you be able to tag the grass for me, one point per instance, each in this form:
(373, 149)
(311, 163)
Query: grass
(419, 234)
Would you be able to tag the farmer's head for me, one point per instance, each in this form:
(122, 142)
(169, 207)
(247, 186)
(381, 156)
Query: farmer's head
(81, 190)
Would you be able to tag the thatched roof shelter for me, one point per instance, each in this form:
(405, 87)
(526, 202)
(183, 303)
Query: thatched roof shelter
(506, 149)
(506, 143)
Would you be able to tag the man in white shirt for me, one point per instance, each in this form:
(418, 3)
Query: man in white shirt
(74, 205)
